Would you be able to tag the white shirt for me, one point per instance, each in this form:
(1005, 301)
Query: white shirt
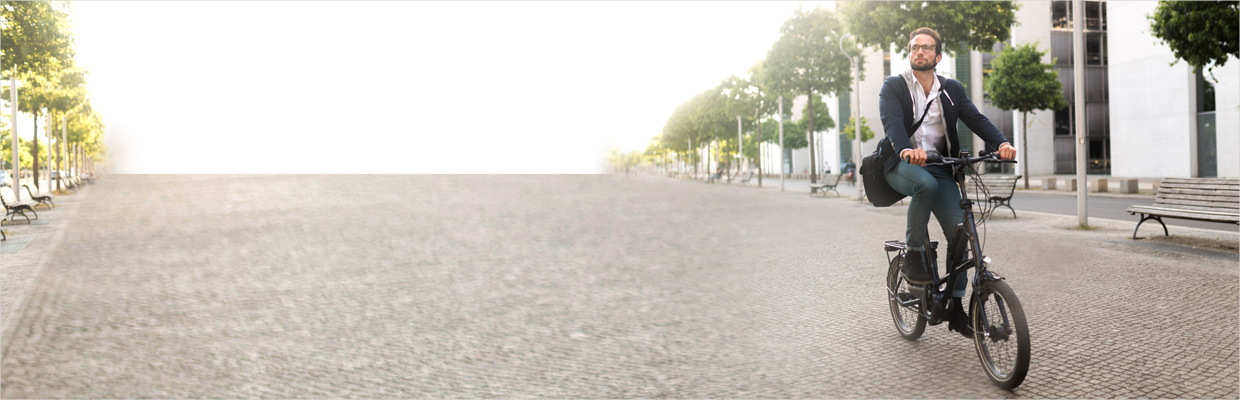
(931, 136)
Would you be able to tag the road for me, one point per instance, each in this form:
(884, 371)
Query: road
(449, 286)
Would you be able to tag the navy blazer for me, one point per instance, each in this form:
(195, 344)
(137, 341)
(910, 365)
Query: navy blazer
(895, 107)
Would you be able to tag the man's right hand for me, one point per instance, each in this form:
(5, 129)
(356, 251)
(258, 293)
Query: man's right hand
(914, 156)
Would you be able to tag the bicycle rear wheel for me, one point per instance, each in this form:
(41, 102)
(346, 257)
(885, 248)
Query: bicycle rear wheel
(1000, 334)
(906, 309)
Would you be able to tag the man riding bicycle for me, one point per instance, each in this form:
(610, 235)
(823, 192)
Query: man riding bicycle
(921, 95)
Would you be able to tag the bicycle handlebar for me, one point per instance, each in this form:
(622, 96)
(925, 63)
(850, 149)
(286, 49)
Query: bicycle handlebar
(984, 156)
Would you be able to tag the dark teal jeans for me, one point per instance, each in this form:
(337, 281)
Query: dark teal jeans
(932, 190)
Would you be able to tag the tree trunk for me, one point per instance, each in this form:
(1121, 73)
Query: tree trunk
(813, 167)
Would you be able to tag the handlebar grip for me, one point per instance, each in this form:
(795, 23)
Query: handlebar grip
(934, 158)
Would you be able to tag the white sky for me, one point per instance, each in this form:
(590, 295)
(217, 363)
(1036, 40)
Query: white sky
(402, 87)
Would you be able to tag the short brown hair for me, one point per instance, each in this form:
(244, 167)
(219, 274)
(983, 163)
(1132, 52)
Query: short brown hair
(938, 42)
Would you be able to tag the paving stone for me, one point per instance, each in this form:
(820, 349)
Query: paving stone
(449, 286)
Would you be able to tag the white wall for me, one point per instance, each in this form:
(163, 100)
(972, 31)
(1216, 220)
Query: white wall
(1227, 104)
(831, 142)
(870, 86)
(1151, 123)
(1034, 27)
(800, 157)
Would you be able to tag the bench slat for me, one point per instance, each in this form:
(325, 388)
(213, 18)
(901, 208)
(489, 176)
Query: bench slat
(1223, 181)
(1199, 186)
(1216, 199)
(1203, 207)
(1178, 209)
(1194, 215)
(1214, 193)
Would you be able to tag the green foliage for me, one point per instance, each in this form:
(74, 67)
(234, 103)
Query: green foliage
(87, 131)
(978, 24)
(1021, 82)
(792, 139)
(1198, 32)
(822, 119)
(807, 59)
(26, 149)
(37, 37)
(850, 130)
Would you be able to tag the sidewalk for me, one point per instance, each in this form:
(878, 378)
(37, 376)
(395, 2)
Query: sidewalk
(28, 249)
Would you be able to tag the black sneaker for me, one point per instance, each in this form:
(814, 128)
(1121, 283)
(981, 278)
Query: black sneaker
(913, 269)
(958, 319)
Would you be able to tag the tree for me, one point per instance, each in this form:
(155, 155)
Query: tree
(961, 24)
(807, 60)
(1021, 82)
(37, 36)
(1200, 33)
(38, 47)
(850, 130)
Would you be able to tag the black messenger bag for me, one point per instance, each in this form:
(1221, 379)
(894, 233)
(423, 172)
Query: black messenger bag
(877, 190)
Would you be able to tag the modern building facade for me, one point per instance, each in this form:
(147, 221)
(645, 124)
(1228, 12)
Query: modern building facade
(1145, 118)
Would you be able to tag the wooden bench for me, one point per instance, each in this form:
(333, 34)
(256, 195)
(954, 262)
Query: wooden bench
(1198, 199)
(745, 180)
(999, 190)
(12, 207)
(44, 198)
(828, 182)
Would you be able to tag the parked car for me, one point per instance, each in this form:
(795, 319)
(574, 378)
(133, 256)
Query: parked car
(4, 179)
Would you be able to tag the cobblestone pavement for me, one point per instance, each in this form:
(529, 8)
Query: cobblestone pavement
(184, 286)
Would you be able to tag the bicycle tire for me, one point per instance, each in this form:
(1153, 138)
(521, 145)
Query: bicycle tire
(1004, 358)
(910, 321)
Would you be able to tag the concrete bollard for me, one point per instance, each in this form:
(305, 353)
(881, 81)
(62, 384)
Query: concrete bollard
(1128, 186)
(1069, 184)
(1048, 184)
(1156, 184)
(1100, 185)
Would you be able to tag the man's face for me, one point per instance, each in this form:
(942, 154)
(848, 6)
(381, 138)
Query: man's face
(923, 60)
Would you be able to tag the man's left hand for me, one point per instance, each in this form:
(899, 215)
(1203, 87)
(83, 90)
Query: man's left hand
(1007, 152)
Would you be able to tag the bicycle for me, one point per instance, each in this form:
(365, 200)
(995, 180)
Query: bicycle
(1000, 331)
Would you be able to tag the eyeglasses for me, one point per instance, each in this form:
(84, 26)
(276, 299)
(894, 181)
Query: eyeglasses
(925, 47)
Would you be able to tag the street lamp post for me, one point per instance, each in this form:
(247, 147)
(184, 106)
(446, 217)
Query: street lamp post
(1078, 73)
(13, 129)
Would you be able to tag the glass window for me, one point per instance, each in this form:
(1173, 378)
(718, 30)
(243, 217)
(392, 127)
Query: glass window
(1103, 7)
(1067, 80)
(887, 63)
(1061, 17)
(1093, 49)
(1093, 15)
(1063, 121)
(1205, 93)
(1061, 47)
(1095, 119)
(1095, 84)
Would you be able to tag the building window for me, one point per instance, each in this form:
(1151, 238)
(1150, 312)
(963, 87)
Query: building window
(886, 63)
(1095, 15)
(1061, 15)
(1063, 121)
(1205, 93)
(1095, 48)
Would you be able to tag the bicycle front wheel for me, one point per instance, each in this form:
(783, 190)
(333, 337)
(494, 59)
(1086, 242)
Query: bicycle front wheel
(906, 308)
(1000, 334)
